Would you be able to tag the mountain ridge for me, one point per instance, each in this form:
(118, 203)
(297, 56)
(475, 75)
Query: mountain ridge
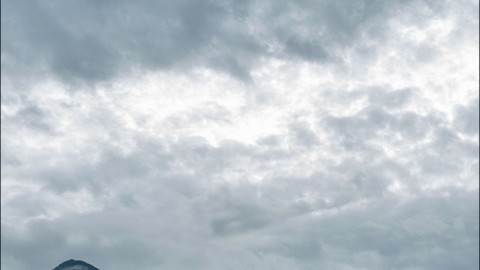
(75, 265)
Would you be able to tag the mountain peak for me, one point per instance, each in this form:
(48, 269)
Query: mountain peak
(75, 265)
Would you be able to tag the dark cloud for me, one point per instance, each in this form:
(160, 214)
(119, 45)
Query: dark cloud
(466, 118)
(48, 242)
(308, 50)
(390, 99)
(92, 41)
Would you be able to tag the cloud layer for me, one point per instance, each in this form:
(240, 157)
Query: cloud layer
(240, 134)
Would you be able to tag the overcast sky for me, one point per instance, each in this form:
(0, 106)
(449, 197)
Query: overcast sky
(237, 134)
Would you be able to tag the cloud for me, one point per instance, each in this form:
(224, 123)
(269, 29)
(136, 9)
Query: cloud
(466, 118)
(205, 135)
(94, 41)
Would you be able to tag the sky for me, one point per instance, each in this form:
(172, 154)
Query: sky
(270, 134)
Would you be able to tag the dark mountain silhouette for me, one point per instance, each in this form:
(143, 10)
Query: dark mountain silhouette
(75, 265)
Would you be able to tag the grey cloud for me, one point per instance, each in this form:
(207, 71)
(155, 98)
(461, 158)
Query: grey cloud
(307, 249)
(239, 221)
(168, 185)
(93, 41)
(8, 155)
(30, 116)
(379, 117)
(26, 205)
(233, 66)
(303, 135)
(357, 136)
(354, 132)
(266, 214)
(390, 99)
(308, 50)
(426, 53)
(446, 158)
(47, 243)
(466, 118)
(112, 168)
(417, 127)
(385, 241)
(392, 229)
(382, 187)
(443, 155)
